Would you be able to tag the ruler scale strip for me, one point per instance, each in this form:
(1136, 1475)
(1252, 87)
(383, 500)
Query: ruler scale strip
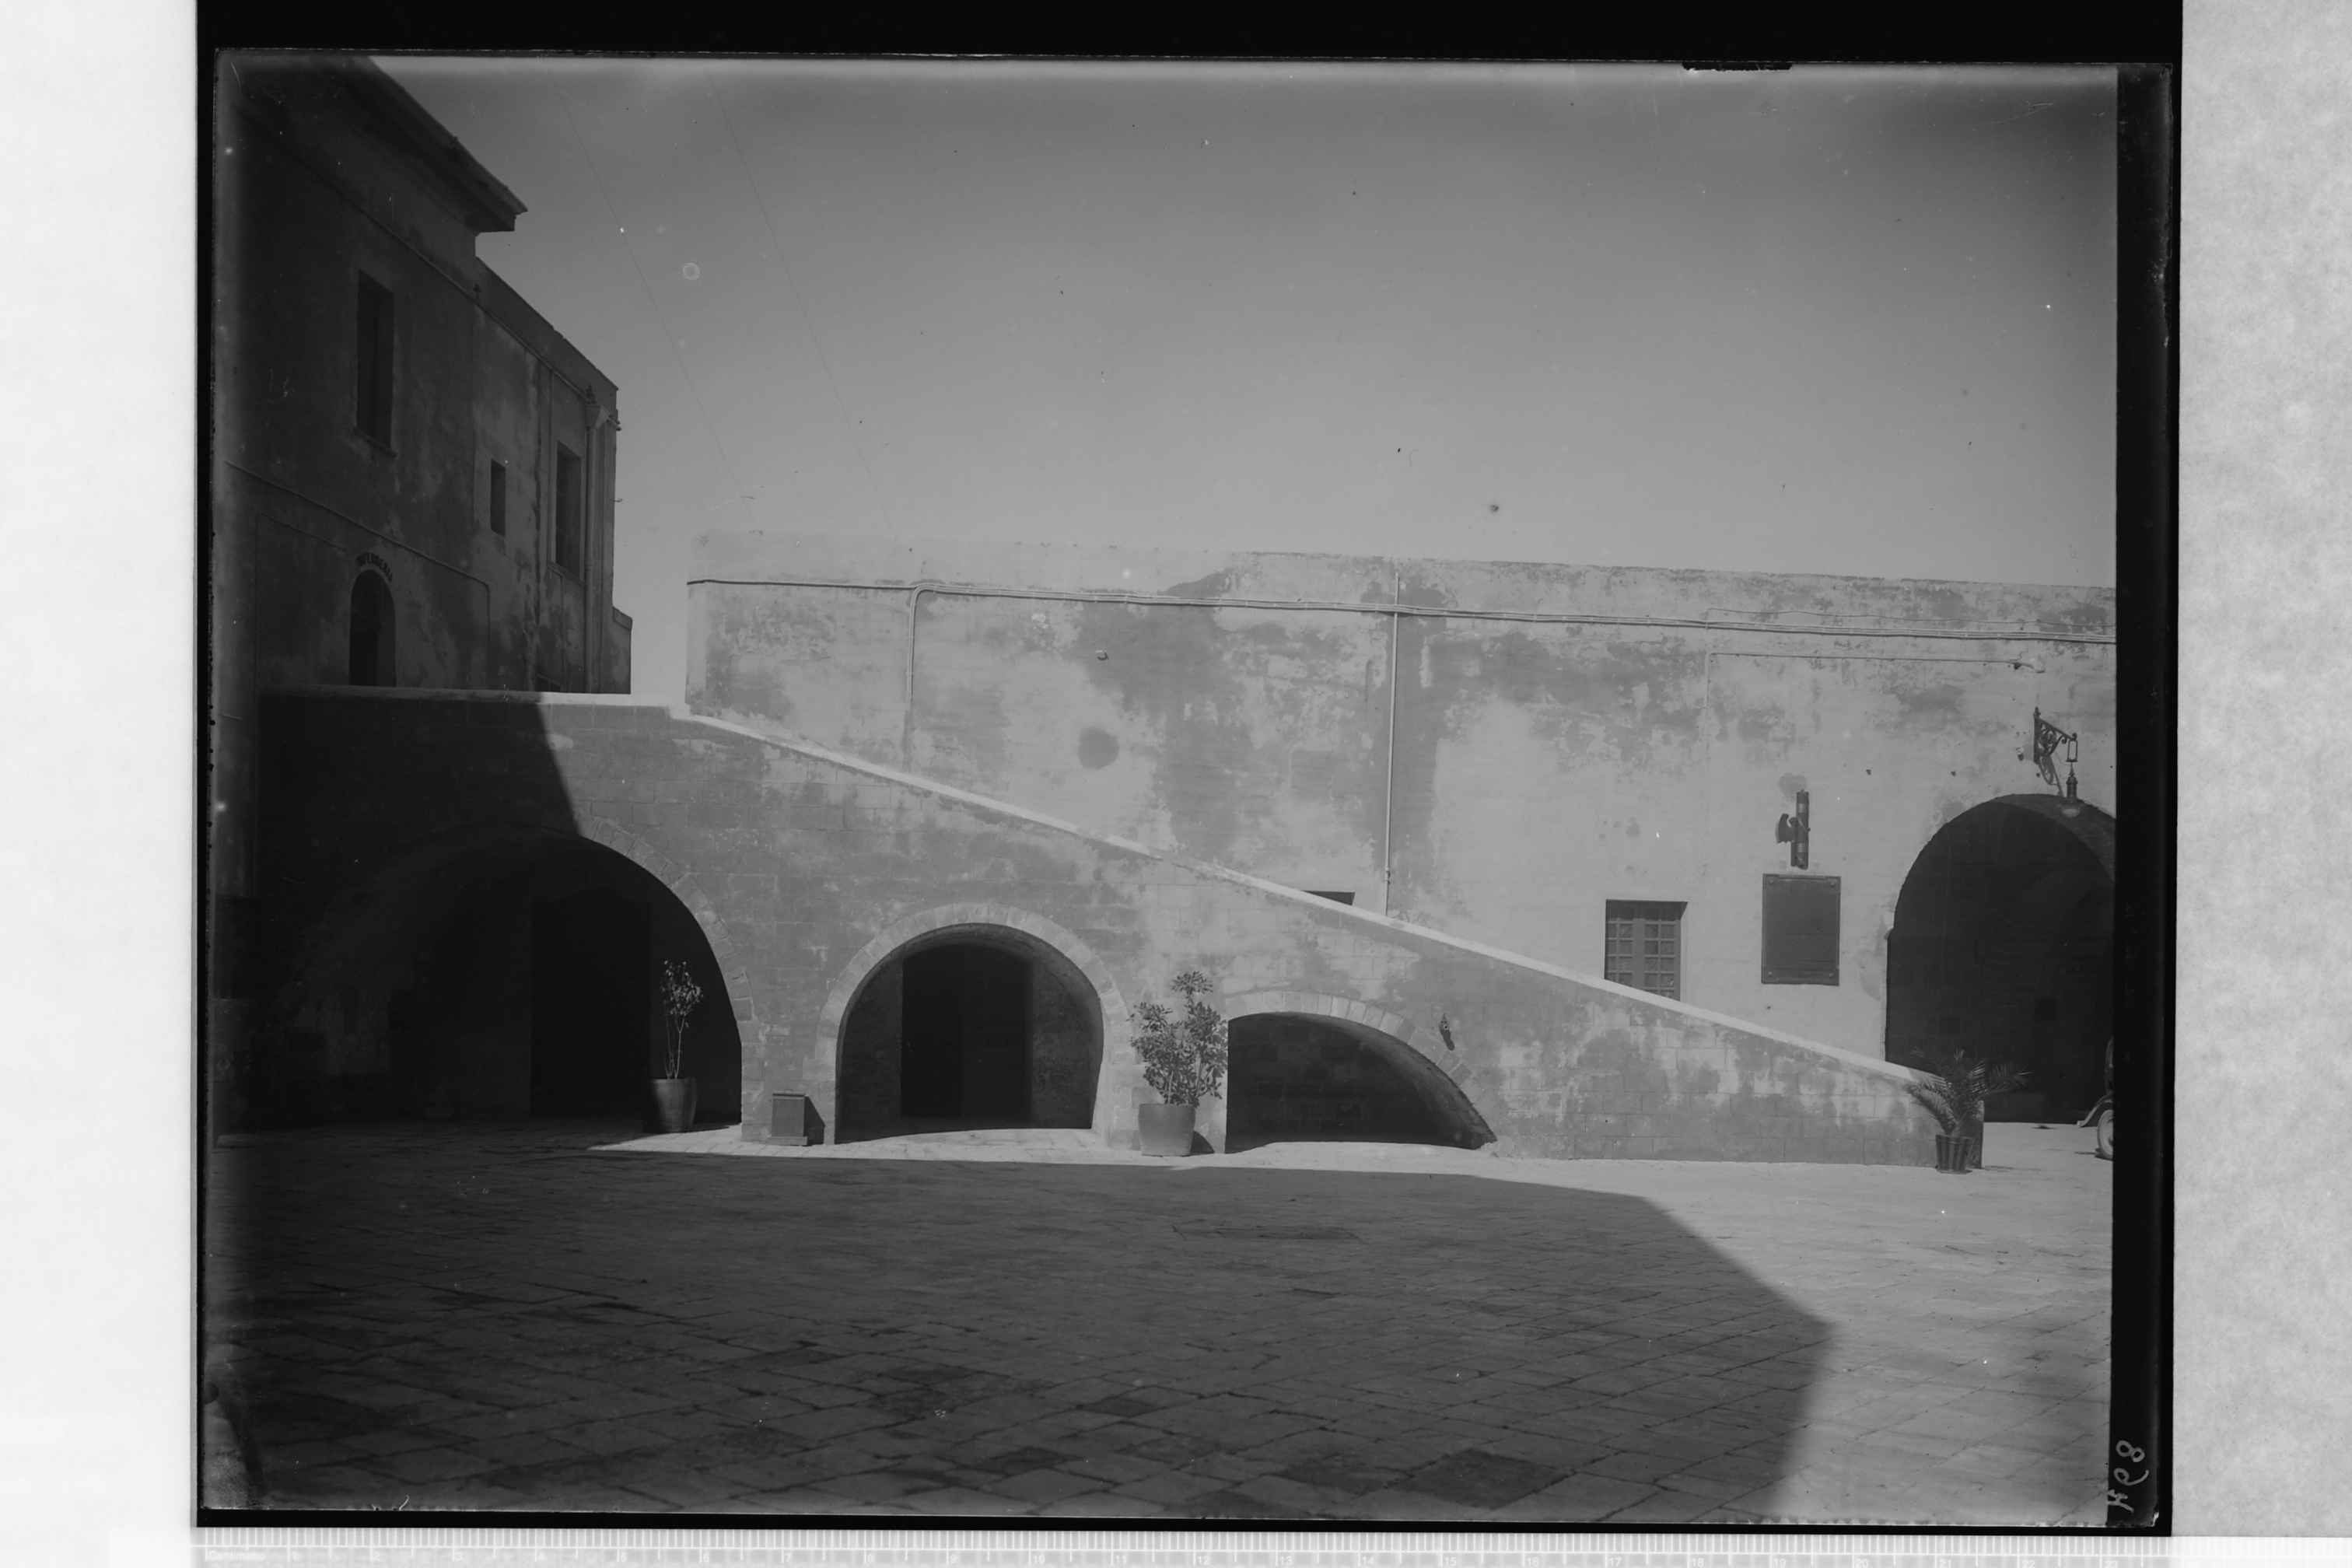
(1139, 1549)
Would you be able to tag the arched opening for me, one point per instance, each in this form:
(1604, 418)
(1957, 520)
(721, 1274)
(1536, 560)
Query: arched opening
(967, 1027)
(508, 975)
(2004, 946)
(1305, 1077)
(371, 628)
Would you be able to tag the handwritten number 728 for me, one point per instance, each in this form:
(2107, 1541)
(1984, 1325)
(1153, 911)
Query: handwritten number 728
(2123, 1477)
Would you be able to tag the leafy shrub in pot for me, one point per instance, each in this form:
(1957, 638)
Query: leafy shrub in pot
(1183, 1051)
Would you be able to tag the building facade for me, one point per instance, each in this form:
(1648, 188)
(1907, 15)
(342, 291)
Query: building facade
(461, 883)
(411, 472)
(1561, 862)
(1813, 804)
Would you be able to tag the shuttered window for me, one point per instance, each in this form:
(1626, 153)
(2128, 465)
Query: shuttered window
(567, 510)
(1643, 946)
(372, 381)
(1800, 931)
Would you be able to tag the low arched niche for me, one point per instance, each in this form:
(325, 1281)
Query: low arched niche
(891, 1030)
(1310, 1068)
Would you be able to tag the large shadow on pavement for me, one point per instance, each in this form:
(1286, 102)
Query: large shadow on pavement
(441, 943)
(502, 1320)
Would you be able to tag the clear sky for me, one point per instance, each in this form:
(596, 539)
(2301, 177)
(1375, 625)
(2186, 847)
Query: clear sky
(1847, 322)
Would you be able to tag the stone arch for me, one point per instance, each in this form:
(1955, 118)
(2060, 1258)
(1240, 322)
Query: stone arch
(688, 889)
(2002, 944)
(391, 885)
(2085, 823)
(1440, 1074)
(1317, 1003)
(979, 919)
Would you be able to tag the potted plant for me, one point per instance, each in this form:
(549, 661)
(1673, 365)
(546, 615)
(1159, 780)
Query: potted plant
(1183, 1061)
(1959, 1084)
(673, 1092)
(2101, 1117)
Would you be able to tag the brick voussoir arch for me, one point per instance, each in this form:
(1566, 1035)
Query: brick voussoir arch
(899, 933)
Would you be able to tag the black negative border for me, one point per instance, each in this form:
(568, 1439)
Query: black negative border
(2144, 42)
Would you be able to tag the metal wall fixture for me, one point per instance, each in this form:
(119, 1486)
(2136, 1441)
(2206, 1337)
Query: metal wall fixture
(2049, 741)
(1796, 831)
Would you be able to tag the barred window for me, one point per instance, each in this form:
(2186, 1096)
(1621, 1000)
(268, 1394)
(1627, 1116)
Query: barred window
(1643, 946)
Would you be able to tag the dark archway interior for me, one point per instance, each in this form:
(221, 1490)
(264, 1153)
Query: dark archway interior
(1299, 1077)
(589, 978)
(969, 1030)
(371, 628)
(2004, 946)
(510, 977)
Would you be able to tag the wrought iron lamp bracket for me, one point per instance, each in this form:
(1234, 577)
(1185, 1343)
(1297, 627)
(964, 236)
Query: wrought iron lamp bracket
(2049, 742)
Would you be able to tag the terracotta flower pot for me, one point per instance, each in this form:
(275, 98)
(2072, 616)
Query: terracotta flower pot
(1165, 1130)
(674, 1103)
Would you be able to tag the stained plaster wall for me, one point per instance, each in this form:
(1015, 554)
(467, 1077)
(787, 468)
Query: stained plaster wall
(808, 871)
(1539, 769)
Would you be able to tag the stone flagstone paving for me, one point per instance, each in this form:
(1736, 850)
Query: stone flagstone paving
(482, 1317)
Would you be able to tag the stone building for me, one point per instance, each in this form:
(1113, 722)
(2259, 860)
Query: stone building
(1562, 860)
(1556, 861)
(1604, 770)
(411, 479)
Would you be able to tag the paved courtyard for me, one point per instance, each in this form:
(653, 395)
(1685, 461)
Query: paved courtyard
(450, 1316)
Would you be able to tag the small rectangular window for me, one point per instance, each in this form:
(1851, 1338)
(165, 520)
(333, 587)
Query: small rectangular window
(498, 497)
(372, 385)
(567, 509)
(1800, 931)
(1643, 946)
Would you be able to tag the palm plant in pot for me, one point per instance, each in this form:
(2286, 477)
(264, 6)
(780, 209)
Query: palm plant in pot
(1959, 1084)
(1184, 1061)
(673, 1092)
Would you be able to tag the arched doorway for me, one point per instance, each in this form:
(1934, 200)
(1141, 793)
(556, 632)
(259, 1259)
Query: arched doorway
(2004, 946)
(1294, 1077)
(970, 1026)
(371, 619)
(506, 973)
